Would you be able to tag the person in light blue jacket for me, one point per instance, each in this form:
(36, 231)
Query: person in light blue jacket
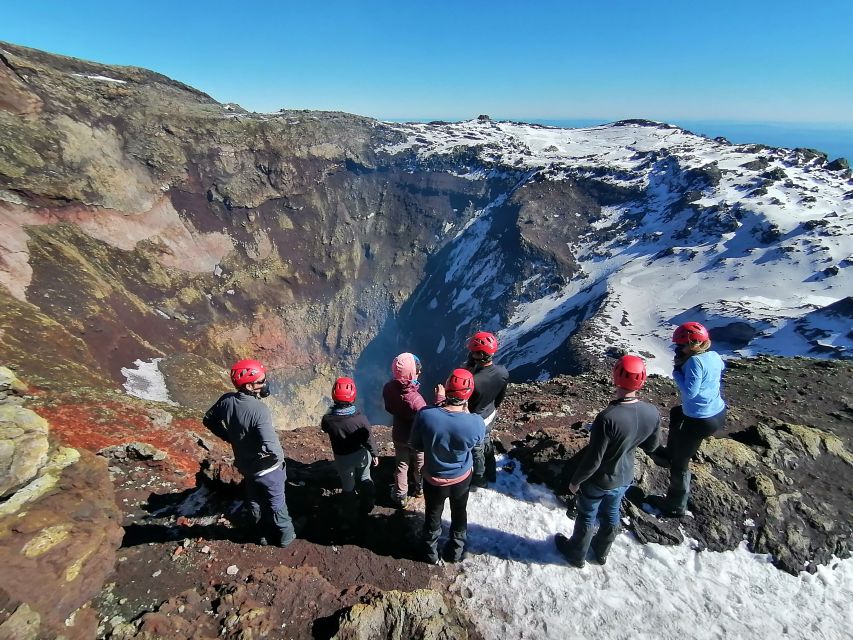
(697, 372)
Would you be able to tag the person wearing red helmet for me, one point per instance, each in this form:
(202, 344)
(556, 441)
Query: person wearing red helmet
(697, 372)
(447, 436)
(242, 420)
(606, 470)
(490, 382)
(353, 448)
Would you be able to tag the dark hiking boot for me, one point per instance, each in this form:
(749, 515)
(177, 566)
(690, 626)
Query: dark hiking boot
(262, 542)
(416, 491)
(565, 548)
(453, 555)
(600, 559)
(659, 503)
(399, 503)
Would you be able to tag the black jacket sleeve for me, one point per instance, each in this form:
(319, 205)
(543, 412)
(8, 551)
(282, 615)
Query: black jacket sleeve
(598, 440)
(500, 397)
(653, 441)
(370, 443)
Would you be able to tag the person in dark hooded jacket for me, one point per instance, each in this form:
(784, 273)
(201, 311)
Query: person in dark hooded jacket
(403, 400)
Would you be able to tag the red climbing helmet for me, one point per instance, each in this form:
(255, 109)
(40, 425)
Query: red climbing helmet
(483, 341)
(460, 384)
(629, 373)
(690, 332)
(343, 390)
(246, 371)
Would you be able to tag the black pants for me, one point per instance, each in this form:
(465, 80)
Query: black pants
(485, 465)
(685, 436)
(434, 498)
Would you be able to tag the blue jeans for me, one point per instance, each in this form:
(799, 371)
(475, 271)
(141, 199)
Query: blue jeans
(595, 503)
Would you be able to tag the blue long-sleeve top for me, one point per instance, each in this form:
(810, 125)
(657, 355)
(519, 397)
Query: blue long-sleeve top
(698, 380)
(447, 438)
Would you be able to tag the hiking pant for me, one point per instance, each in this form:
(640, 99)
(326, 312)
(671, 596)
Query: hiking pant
(353, 468)
(434, 498)
(354, 472)
(409, 463)
(268, 508)
(685, 436)
(485, 466)
(595, 503)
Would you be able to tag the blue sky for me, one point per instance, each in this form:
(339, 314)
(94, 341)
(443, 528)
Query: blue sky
(747, 61)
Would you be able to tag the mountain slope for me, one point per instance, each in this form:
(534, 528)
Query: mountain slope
(613, 234)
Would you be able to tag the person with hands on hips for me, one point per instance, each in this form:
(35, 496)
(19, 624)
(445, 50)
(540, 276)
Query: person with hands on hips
(243, 421)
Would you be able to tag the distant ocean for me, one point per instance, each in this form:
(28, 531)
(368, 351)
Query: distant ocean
(835, 142)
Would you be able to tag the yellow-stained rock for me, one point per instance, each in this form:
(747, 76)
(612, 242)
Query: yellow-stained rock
(23, 446)
(46, 540)
(729, 454)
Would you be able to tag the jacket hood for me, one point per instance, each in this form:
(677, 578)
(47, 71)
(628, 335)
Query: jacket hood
(403, 368)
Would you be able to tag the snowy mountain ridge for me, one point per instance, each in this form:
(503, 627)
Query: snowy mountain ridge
(754, 241)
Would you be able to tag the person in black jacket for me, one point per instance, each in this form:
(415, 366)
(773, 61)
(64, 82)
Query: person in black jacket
(353, 447)
(490, 381)
(607, 469)
(242, 420)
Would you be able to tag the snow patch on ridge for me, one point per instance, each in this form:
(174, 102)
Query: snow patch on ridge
(100, 78)
(146, 381)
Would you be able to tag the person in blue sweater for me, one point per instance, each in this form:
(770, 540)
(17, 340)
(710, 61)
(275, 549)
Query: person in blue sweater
(447, 435)
(698, 372)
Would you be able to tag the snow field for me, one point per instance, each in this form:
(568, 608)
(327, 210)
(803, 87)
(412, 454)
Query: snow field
(515, 584)
(650, 272)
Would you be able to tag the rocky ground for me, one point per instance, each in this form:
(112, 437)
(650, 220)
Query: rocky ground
(779, 477)
(186, 567)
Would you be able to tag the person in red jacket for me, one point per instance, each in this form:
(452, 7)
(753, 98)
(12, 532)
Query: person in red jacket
(403, 400)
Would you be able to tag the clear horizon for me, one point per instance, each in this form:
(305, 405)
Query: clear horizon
(761, 62)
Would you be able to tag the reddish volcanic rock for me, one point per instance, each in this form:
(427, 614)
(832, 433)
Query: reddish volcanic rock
(57, 551)
(97, 426)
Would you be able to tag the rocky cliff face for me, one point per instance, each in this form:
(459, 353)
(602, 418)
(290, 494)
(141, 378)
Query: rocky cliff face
(141, 219)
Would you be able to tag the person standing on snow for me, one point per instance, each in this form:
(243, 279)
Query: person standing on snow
(490, 382)
(353, 448)
(698, 373)
(242, 420)
(607, 469)
(447, 435)
(403, 400)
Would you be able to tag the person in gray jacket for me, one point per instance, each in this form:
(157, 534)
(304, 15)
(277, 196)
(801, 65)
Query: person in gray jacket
(607, 468)
(242, 420)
